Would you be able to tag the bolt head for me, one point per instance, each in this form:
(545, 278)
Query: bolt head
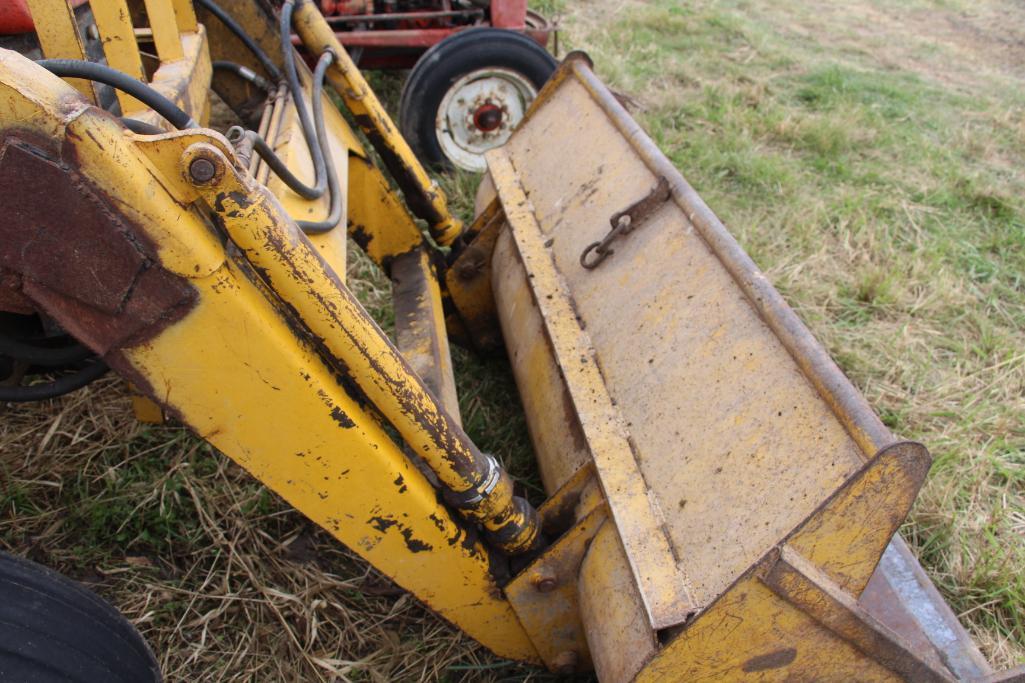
(545, 583)
(470, 264)
(202, 170)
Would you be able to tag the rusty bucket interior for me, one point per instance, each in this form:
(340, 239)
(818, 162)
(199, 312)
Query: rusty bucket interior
(748, 490)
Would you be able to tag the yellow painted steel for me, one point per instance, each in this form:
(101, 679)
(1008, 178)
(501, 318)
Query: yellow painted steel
(420, 326)
(114, 23)
(711, 512)
(371, 116)
(239, 373)
(771, 625)
(378, 220)
(185, 15)
(720, 432)
(164, 25)
(258, 226)
(59, 37)
(186, 82)
(469, 280)
(664, 587)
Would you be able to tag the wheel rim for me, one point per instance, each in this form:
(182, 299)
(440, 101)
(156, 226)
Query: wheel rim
(479, 112)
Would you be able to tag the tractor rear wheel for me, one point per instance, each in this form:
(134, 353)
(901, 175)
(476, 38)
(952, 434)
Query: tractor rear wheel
(53, 629)
(466, 94)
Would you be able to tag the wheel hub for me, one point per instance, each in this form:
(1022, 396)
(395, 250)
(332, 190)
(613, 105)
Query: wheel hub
(488, 117)
(479, 112)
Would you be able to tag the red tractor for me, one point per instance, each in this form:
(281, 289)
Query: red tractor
(476, 65)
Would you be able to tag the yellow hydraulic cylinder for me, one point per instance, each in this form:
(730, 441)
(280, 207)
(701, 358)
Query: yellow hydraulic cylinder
(473, 482)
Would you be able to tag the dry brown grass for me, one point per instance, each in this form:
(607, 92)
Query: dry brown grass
(224, 579)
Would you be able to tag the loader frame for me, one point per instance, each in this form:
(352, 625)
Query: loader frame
(216, 306)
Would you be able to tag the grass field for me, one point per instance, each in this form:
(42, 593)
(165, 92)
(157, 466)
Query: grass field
(867, 154)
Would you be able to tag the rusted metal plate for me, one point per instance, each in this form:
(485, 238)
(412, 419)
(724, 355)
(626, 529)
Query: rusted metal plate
(544, 597)
(75, 253)
(420, 325)
(664, 585)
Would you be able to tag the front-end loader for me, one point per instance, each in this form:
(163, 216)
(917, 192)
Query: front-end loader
(721, 501)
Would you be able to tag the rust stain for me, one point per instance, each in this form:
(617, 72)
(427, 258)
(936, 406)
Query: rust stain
(80, 260)
(771, 660)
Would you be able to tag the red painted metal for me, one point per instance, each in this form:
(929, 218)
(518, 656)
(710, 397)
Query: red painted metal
(409, 34)
(15, 17)
(509, 14)
(345, 7)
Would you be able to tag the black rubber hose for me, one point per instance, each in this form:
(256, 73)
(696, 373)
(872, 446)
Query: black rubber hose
(294, 87)
(53, 389)
(245, 73)
(74, 68)
(335, 212)
(269, 66)
(49, 356)
(141, 127)
(236, 135)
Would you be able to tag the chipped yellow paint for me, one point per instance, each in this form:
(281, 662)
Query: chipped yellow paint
(114, 23)
(59, 37)
(235, 369)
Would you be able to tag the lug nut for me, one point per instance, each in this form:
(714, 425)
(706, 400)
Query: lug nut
(202, 170)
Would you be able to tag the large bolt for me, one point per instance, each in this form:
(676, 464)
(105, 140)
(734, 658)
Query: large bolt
(202, 170)
(470, 264)
(545, 583)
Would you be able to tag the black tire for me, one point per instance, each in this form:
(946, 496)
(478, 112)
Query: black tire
(442, 66)
(52, 629)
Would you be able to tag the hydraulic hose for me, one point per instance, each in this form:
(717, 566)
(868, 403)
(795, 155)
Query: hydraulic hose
(294, 87)
(58, 387)
(245, 73)
(268, 65)
(141, 127)
(334, 193)
(75, 68)
(242, 138)
(314, 132)
(49, 356)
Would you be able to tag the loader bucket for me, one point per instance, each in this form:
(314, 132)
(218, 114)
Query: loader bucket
(748, 489)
